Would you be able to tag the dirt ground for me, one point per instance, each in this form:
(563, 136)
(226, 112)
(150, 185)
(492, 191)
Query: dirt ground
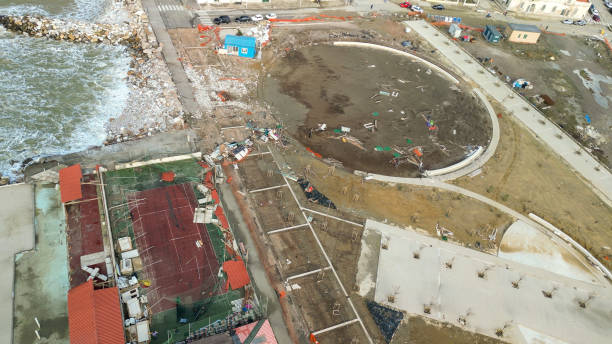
(525, 176)
(340, 86)
(296, 251)
(575, 72)
(418, 330)
(259, 172)
(276, 210)
(419, 207)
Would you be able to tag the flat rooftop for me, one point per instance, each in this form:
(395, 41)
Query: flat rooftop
(16, 235)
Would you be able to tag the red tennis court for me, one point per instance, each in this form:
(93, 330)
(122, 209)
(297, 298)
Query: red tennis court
(168, 241)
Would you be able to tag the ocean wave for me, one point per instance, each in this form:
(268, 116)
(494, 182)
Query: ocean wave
(60, 94)
(59, 97)
(66, 9)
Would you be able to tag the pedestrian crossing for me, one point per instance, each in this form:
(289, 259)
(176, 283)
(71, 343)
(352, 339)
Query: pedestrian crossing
(170, 8)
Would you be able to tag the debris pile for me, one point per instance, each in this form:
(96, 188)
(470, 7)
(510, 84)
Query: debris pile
(153, 104)
(213, 82)
(315, 196)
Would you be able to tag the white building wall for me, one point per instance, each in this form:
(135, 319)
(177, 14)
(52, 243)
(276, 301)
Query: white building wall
(571, 9)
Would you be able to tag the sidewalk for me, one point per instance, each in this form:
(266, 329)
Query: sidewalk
(176, 68)
(558, 141)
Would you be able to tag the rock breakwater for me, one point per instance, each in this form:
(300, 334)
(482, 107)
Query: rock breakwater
(74, 31)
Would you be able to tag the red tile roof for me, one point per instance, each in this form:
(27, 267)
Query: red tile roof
(94, 316)
(265, 335)
(70, 183)
(237, 275)
(168, 176)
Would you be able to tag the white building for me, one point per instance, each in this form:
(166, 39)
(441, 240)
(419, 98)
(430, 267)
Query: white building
(571, 9)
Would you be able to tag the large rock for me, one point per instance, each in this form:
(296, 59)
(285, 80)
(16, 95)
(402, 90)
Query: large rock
(73, 31)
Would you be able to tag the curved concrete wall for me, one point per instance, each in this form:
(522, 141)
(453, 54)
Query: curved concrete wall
(465, 166)
(395, 51)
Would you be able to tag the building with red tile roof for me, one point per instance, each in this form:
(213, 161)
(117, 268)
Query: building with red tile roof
(94, 316)
(237, 275)
(70, 183)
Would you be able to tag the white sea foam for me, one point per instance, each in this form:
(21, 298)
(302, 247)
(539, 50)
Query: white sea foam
(60, 94)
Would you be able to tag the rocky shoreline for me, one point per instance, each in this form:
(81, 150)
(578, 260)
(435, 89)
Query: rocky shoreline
(80, 32)
(153, 105)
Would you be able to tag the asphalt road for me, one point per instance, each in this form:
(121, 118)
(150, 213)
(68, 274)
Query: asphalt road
(174, 14)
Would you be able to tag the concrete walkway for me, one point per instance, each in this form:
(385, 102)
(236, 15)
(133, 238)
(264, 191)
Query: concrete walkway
(558, 141)
(179, 77)
(16, 235)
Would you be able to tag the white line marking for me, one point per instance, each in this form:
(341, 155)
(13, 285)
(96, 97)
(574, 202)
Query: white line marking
(336, 326)
(286, 229)
(262, 153)
(307, 273)
(348, 299)
(333, 217)
(265, 189)
(236, 127)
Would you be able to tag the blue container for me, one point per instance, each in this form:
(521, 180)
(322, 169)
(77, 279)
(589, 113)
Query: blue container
(240, 45)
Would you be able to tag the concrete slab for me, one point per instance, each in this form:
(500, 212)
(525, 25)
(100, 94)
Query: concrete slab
(41, 275)
(16, 235)
(526, 245)
(368, 263)
(414, 269)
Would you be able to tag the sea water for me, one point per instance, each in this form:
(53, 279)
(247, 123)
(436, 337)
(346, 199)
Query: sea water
(55, 97)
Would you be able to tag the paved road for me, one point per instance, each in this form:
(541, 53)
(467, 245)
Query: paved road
(552, 23)
(179, 77)
(558, 141)
(174, 14)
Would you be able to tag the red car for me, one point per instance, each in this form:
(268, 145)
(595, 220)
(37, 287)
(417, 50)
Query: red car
(405, 5)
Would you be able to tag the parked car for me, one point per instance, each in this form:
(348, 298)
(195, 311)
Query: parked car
(580, 22)
(596, 18)
(567, 21)
(222, 20)
(243, 19)
(257, 17)
(405, 4)
(595, 12)
(608, 5)
(416, 8)
(438, 7)
(271, 16)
